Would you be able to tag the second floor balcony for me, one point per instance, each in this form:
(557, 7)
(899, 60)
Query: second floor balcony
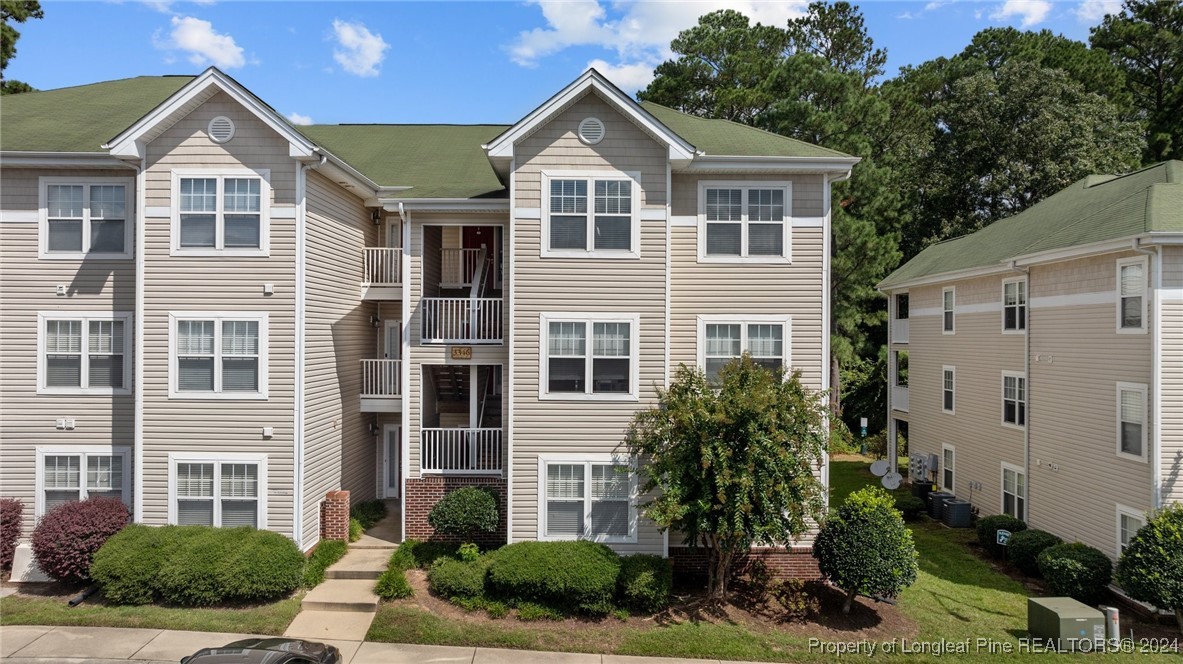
(461, 320)
(382, 273)
(381, 386)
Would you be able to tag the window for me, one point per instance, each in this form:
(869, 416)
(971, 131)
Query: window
(219, 355)
(1014, 399)
(606, 224)
(80, 472)
(1131, 420)
(1131, 286)
(84, 353)
(220, 212)
(587, 499)
(1014, 305)
(1129, 522)
(948, 467)
(723, 342)
(1014, 491)
(742, 220)
(948, 386)
(602, 367)
(225, 492)
(81, 217)
(947, 311)
(901, 368)
(901, 306)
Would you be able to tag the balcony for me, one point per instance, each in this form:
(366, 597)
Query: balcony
(899, 330)
(460, 451)
(899, 398)
(461, 320)
(381, 386)
(382, 273)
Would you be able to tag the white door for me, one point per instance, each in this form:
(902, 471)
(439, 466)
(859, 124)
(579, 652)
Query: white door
(392, 340)
(390, 459)
(394, 233)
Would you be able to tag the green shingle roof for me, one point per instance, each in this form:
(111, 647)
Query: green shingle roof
(1094, 209)
(719, 138)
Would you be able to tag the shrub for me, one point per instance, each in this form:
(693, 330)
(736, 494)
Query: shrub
(1076, 570)
(11, 510)
(404, 556)
(393, 585)
(468, 552)
(66, 539)
(368, 513)
(355, 530)
(263, 565)
(645, 582)
(988, 528)
(465, 513)
(529, 612)
(189, 576)
(573, 577)
(1026, 545)
(1151, 567)
(795, 599)
(910, 506)
(864, 547)
(454, 578)
(323, 556)
(126, 566)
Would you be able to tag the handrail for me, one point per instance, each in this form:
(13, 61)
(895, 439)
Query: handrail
(382, 266)
(468, 451)
(381, 378)
(478, 276)
(461, 320)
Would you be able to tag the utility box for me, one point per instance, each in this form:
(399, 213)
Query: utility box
(1064, 624)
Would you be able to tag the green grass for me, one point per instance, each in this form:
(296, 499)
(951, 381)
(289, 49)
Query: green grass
(263, 619)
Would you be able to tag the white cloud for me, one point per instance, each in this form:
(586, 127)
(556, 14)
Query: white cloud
(361, 51)
(935, 4)
(297, 119)
(203, 44)
(1092, 11)
(1032, 12)
(627, 77)
(906, 16)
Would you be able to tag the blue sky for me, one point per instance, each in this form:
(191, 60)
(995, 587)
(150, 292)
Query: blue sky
(451, 62)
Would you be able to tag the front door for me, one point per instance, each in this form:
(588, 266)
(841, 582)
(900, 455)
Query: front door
(390, 460)
(392, 342)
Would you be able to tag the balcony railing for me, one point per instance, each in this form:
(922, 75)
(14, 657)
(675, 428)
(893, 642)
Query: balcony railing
(899, 331)
(899, 398)
(460, 451)
(381, 378)
(458, 267)
(383, 266)
(461, 320)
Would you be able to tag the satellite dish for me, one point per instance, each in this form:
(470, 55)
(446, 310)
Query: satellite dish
(880, 468)
(891, 481)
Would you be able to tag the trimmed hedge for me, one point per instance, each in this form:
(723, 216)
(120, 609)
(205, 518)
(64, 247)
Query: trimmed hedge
(1076, 570)
(453, 579)
(66, 539)
(1025, 547)
(11, 510)
(126, 566)
(910, 506)
(988, 528)
(325, 554)
(1151, 567)
(571, 577)
(465, 513)
(645, 582)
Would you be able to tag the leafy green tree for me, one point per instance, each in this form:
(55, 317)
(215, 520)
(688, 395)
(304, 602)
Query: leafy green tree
(1151, 567)
(732, 466)
(837, 34)
(14, 11)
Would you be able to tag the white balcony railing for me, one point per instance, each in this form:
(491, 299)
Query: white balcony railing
(381, 378)
(899, 331)
(383, 266)
(461, 320)
(899, 398)
(458, 267)
(460, 451)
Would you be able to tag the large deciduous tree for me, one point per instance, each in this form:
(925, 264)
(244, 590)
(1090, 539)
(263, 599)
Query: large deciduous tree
(14, 11)
(733, 464)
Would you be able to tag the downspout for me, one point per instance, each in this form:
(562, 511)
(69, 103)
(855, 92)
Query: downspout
(1155, 452)
(1026, 272)
(404, 452)
(138, 378)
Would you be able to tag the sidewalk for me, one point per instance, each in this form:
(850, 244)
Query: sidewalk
(20, 644)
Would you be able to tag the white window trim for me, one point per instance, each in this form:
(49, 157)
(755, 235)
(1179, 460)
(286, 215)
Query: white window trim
(746, 185)
(947, 447)
(218, 459)
(952, 309)
(43, 219)
(1124, 510)
(86, 317)
(1122, 262)
(743, 320)
(1002, 399)
(953, 370)
(1144, 390)
(588, 460)
(1026, 306)
(217, 317)
(221, 174)
(83, 451)
(544, 321)
(1002, 489)
(634, 252)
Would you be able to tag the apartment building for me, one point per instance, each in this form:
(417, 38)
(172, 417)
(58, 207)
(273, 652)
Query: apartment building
(1040, 360)
(220, 317)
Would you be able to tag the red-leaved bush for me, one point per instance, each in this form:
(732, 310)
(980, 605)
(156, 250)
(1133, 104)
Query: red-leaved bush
(10, 529)
(66, 538)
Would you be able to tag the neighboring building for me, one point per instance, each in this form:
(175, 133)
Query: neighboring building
(219, 317)
(1040, 359)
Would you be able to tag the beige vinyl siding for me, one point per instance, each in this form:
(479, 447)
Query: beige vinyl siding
(228, 283)
(28, 286)
(1172, 375)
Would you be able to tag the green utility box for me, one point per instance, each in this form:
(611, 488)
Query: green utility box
(1064, 623)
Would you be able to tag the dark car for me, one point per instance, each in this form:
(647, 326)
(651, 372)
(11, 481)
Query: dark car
(267, 651)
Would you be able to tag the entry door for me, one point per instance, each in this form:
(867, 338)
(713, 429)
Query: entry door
(394, 232)
(390, 458)
(392, 340)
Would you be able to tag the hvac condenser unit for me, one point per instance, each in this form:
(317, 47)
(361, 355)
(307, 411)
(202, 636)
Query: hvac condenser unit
(1063, 623)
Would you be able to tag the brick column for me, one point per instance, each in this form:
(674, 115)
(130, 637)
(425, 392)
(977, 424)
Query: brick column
(334, 516)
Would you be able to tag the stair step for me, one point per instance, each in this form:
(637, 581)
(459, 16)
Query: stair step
(359, 563)
(353, 595)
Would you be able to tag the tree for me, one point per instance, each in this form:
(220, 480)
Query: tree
(1151, 567)
(837, 34)
(732, 465)
(11, 11)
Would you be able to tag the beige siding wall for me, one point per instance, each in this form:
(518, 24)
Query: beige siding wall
(1172, 375)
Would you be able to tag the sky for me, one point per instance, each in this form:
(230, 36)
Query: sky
(451, 62)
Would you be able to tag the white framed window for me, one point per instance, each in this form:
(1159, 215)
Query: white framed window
(1129, 522)
(1014, 491)
(948, 467)
(85, 217)
(723, 338)
(948, 311)
(219, 212)
(224, 490)
(1014, 305)
(1131, 295)
(1014, 399)
(587, 497)
(588, 356)
(83, 353)
(745, 221)
(217, 355)
(948, 390)
(78, 472)
(592, 214)
(1132, 420)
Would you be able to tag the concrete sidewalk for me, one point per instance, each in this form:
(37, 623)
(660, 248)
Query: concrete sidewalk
(20, 644)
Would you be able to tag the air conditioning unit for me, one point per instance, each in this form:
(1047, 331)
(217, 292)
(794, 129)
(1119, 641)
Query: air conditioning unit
(1062, 623)
(956, 513)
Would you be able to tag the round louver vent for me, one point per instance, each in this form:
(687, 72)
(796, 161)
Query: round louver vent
(591, 131)
(221, 129)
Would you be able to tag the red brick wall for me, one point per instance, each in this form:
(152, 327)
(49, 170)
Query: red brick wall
(423, 493)
(690, 564)
(334, 516)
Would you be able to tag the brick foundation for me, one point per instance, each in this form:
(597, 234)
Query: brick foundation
(423, 493)
(334, 516)
(690, 564)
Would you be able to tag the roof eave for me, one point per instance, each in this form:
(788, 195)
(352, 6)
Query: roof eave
(11, 158)
(392, 204)
(839, 165)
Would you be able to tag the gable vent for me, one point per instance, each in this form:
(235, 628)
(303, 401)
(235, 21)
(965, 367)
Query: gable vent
(221, 129)
(591, 131)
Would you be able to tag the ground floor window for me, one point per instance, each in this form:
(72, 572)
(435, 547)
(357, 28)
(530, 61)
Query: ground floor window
(225, 491)
(1014, 492)
(1129, 521)
(948, 467)
(66, 474)
(586, 498)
